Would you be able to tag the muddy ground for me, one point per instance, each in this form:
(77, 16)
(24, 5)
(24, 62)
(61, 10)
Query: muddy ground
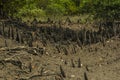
(55, 53)
(94, 62)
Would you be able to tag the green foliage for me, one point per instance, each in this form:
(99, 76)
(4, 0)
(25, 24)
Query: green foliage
(42, 4)
(11, 7)
(69, 5)
(108, 9)
(30, 11)
(62, 7)
(102, 9)
(55, 9)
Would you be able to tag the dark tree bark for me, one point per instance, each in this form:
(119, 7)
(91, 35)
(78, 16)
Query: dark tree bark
(1, 8)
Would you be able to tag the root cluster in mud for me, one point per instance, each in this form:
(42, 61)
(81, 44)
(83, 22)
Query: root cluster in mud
(58, 53)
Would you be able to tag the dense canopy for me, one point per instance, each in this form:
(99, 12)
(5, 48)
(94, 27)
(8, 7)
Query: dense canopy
(109, 9)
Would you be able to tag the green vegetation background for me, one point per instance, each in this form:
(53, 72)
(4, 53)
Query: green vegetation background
(102, 9)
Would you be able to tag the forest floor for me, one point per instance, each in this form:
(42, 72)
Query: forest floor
(94, 62)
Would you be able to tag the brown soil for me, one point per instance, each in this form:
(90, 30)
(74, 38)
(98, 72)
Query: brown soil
(52, 53)
(95, 62)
